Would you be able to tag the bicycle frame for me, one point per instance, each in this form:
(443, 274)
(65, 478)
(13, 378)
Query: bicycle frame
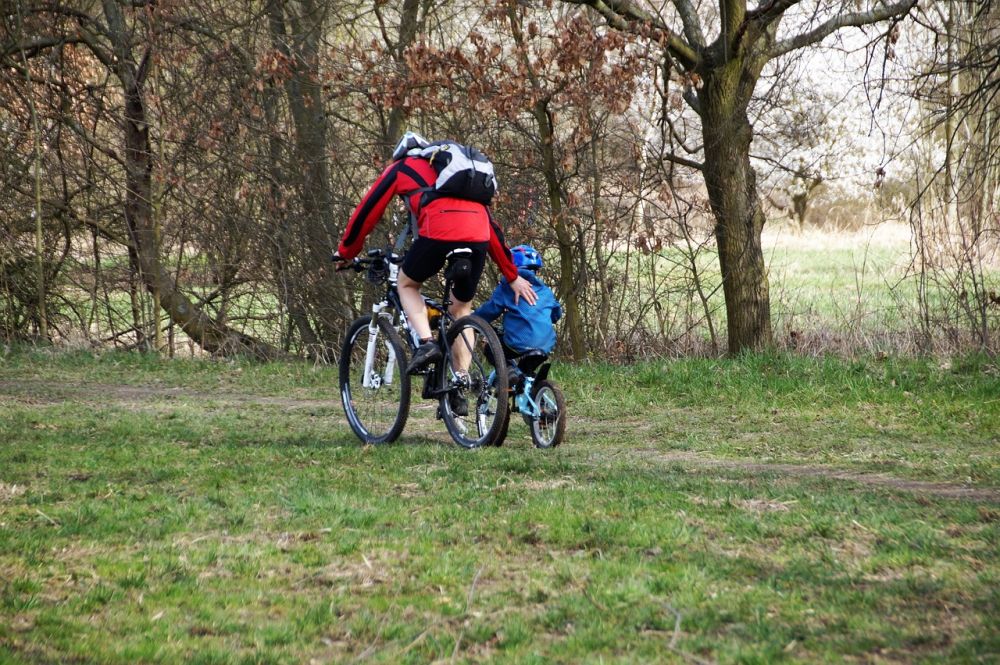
(389, 306)
(523, 400)
(450, 376)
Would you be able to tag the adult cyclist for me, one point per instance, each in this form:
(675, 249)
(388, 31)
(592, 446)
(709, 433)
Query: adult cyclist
(443, 225)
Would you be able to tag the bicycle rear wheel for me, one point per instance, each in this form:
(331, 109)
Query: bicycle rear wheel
(549, 428)
(481, 388)
(376, 399)
(504, 428)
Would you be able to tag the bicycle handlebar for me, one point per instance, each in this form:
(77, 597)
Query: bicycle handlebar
(358, 264)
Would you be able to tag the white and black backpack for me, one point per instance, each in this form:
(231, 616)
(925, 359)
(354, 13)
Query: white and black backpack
(462, 172)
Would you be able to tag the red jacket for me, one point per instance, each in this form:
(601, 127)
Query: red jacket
(441, 219)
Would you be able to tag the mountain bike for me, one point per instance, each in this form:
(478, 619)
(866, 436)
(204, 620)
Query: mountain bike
(539, 400)
(469, 381)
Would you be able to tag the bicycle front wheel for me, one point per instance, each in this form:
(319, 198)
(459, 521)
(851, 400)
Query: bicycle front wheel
(474, 404)
(374, 386)
(549, 427)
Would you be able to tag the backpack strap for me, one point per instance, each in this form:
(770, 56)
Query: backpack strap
(416, 177)
(424, 187)
(401, 240)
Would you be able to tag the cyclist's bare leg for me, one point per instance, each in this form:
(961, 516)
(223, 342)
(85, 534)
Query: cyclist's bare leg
(460, 351)
(413, 305)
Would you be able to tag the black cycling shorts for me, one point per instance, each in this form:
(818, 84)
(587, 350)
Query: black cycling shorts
(427, 256)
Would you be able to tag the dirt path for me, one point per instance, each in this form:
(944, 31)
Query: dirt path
(36, 391)
(947, 490)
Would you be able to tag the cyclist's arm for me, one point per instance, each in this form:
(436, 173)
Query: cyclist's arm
(556, 307)
(519, 286)
(499, 251)
(368, 212)
(492, 308)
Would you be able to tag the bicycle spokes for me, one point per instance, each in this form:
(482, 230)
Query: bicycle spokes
(475, 391)
(375, 391)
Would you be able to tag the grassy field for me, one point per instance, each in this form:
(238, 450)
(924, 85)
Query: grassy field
(839, 281)
(757, 510)
(843, 292)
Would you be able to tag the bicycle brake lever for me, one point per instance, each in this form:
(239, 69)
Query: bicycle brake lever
(354, 264)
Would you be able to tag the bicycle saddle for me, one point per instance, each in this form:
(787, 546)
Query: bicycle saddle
(459, 266)
(530, 360)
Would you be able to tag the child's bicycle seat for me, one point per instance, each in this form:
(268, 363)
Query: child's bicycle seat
(523, 365)
(529, 360)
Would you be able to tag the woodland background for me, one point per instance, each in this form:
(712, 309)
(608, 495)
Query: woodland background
(174, 175)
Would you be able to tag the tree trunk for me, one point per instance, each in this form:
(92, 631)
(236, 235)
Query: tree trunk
(199, 326)
(290, 297)
(567, 286)
(43, 319)
(604, 283)
(36, 129)
(408, 24)
(739, 218)
(305, 100)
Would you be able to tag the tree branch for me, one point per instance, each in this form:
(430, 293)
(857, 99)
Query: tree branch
(34, 47)
(767, 12)
(732, 15)
(691, 23)
(676, 159)
(691, 98)
(841, 21)
(679, 139)
(102, 55)
(621, 14)
(78, 129)
(143, 69)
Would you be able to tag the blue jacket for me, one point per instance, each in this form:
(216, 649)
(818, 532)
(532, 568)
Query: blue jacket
(524, 326)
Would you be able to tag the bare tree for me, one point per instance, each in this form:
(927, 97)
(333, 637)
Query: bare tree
(120, 39)
(955, 219)
(721, 75)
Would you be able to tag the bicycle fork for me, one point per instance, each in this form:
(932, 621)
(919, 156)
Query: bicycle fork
(372, 379)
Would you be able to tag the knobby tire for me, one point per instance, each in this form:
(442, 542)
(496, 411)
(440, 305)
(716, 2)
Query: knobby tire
(488, 401)
(376, 414)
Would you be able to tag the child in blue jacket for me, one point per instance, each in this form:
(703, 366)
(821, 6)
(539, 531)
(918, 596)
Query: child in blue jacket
(525, 327)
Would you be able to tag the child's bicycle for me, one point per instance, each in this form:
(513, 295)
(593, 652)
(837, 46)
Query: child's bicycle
(539, 401)
(374, 385)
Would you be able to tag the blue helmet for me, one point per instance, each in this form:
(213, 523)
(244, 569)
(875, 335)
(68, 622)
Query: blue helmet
(525, 256)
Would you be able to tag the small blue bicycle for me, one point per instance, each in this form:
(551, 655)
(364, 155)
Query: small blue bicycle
(539, 400)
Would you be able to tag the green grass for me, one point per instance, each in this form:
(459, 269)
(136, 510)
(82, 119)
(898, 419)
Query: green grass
(841, 292)
(862, 286)
(222, 512)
